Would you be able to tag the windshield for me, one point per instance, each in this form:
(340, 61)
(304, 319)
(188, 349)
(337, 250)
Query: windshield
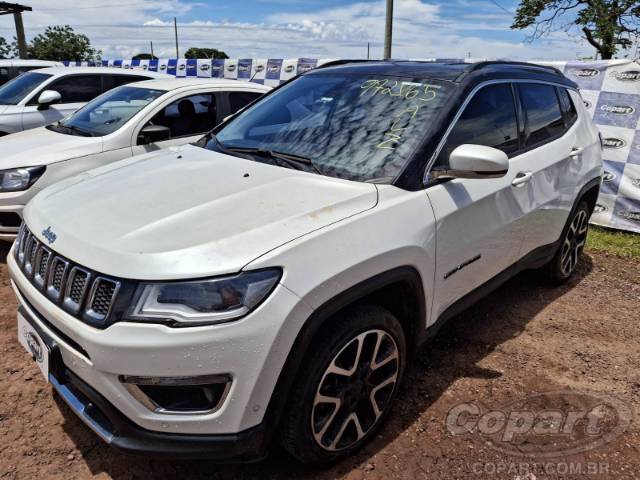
(355, 127)
(108, 112)
(12, 92)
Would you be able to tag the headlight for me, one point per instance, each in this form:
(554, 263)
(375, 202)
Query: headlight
(19, 179)
(203, 302)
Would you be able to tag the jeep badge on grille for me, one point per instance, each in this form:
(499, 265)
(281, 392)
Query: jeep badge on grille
(49, 235)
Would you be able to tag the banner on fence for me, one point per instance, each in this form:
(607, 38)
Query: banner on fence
(610, 89)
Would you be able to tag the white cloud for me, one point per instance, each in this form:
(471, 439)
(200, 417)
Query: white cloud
(420, 30)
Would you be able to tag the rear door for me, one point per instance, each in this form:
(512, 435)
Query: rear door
(479, 231)
(75, 90)
(549, 167)
(237, 100)
(115, 80)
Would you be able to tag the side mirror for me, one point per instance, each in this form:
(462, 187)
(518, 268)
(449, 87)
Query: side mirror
(474, 161)
(48, 98)
(153, 134)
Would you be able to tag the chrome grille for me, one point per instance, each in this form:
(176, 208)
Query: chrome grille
(30, 255)
(81, 292)
(103, 292)
(41, 266)
(57, 276)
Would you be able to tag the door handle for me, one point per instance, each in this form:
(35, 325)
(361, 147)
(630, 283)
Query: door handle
(575, 151)
(522, 178)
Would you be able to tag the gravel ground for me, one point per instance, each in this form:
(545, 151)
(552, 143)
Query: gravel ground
(525, 339)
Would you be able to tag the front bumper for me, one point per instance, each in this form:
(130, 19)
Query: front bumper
(252, 351)
(116, 430)
(13, 203)
(9, 233)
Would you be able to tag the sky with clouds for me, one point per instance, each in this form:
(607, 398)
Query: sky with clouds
(300, 28)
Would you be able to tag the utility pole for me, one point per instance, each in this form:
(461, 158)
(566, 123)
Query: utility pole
(16, 10)
(368, 49)
(388, 30)
(151, 43)
(175, 28)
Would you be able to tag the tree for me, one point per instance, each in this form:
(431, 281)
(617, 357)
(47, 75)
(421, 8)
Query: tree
(144, 56)
(62, 43)
(6, 49)
(608, 25)
(195, 52)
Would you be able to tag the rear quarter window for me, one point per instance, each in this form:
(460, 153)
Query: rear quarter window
(567, 106)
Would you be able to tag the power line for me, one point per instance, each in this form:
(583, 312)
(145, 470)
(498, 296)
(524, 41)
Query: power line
(87, 8)
(501, 7)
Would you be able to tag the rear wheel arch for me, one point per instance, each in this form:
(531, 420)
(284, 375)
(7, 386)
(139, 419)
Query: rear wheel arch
(590, 195)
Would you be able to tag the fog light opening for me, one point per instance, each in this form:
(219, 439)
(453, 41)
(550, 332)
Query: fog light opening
(179, 395)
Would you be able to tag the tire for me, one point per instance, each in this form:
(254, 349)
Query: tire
(332, 395)
(574, 236)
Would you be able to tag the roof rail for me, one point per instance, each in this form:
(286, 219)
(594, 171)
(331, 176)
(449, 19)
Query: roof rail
(550, 69)
(334, 63)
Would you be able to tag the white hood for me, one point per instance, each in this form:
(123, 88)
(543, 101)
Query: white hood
(40, 146)
(188, 213)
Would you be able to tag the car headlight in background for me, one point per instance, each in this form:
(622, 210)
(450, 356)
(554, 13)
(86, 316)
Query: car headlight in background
(203, 302)
(18, 179)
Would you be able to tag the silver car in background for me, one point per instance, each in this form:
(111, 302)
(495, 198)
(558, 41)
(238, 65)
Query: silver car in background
(43, 96)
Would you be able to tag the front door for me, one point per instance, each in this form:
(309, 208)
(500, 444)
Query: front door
(74, 90)
(478, 221)
(187, 117)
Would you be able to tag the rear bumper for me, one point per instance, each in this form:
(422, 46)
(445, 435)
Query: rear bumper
(117, 430)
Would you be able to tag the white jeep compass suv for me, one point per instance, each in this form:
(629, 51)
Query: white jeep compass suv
(271, 281)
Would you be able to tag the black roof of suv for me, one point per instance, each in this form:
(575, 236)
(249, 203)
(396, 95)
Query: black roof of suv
(452, 71)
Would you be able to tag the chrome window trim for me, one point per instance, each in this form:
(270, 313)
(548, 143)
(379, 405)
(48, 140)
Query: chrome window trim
(98, 317)
(67, 302)
(476, 89)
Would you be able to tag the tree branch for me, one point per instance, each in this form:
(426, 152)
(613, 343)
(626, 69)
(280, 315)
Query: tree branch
(591, 40)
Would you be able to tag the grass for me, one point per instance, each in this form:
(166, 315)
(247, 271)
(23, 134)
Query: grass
(615, 242)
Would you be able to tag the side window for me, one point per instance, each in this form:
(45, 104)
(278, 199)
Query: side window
(189, 115)
(238, 100)
(113, 81)
(541, 107)
(4, 75)
(567, 106)
(489, 119)
(77, 88)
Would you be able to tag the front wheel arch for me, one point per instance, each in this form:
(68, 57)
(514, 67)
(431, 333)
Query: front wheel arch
(368, 291)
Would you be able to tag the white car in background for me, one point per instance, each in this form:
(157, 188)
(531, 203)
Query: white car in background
(43, 96)
(129, 120)
(13, 67)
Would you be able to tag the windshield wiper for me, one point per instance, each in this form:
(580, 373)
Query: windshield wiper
(289, 158)
(292, 160)
(74, 129)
